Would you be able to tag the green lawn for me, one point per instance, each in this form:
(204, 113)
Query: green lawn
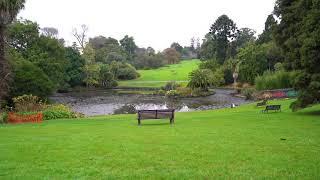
(239, 143)
(159, 77)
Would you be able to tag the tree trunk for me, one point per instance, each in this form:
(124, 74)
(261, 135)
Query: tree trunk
(4, 69)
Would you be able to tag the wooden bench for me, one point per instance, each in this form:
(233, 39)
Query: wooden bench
(272, 108)
(156, 114)
(263, 103)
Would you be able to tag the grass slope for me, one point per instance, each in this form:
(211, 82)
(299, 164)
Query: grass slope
(229, 143)
(159, 77)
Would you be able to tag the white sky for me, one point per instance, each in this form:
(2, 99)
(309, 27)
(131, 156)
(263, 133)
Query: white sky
(155, 23)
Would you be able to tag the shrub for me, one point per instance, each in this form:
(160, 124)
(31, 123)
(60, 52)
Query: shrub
(4, 117)
(172, 85)
(123, 71)
(30, 79)
(218, 77)
(27, 103)
(200, 78)
(161, 92)
(248, 92)
(184, 91)
(58, 111)
(209, 64)
(173, 94)
(275, 80)
(106, 77)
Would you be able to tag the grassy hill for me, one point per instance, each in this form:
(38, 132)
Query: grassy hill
(239, 143)
(159, 77)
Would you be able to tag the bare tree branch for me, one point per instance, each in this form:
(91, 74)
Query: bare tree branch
(81, 36)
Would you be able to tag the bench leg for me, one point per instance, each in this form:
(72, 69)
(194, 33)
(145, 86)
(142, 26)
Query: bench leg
(171, 121)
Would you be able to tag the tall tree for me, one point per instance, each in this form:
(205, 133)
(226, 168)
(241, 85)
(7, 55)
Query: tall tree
(192, 43)
(81, 35)
(8, 12)
(208, 48)
(298, 35)
(91, 69)
(177, 47)
(244, 36)
(171, 55)
(266, 35)
(50, 32)
(223, 31)
(253, 62)
(129, 46)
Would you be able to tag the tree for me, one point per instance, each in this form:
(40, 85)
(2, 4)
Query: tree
(148, 59)
(98, 42)
(208, 48)
(171, 55)
(50, 32)
(106, 77)
(253, 62)
(81, 35)
(107, 49)
(129, 46)
(48, 54)
(298, 35)
(150, 51)
(8, 12)
(266, 35)
(123, 71)
(177, 47)
(91, 69)
(30, 79)
(245, 36)
(75, 67)
(192, 43)
(223, 31)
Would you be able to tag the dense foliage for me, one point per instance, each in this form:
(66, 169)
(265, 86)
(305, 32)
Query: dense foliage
(275, 80)
(8, 11)
(201, 79)
(298, 35)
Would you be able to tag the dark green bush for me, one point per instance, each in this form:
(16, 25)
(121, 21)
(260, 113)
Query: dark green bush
(123, 71)
(275, 80)
(30, 79)
(201, 78)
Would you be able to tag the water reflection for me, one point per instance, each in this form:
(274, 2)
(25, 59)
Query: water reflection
(102, 102)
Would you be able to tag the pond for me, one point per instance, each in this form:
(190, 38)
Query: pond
(101, 102)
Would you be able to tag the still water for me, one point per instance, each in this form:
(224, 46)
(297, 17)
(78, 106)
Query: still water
(100, 102)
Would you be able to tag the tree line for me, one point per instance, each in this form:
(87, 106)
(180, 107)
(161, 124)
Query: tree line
(284, 55)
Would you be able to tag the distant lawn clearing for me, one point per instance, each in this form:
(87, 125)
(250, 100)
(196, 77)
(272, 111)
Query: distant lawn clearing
(158, 77)
(239, 143)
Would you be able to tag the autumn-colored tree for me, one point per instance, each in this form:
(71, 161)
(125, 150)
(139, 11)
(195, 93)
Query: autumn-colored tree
(172, 56)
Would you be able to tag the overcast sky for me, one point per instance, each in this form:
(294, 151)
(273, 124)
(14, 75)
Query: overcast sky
(155, 23)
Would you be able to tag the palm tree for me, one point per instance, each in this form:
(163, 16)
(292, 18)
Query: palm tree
(8, 12)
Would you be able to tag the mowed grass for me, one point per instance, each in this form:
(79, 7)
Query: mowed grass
(239, 143)
(158, 77)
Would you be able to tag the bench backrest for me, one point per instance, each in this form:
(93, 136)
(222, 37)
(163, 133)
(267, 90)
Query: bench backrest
(156, 114)
(273, 107)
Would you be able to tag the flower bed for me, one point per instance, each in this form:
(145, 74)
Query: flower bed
(18, 118)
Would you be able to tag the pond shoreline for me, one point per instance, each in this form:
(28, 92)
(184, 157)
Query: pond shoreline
(93, 102)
